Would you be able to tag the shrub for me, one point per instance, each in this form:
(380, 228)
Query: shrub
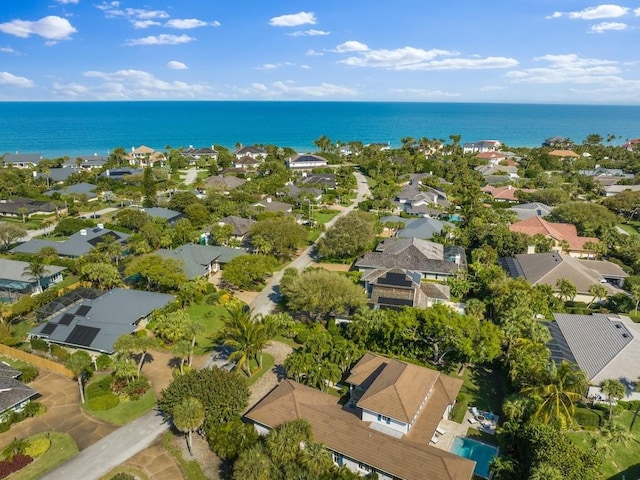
(37, 447)
(588, 418)
(123, 476)
(29, 373)
(99, 387)
(137, 388)
(103, 362)
(103, 402)
(39, 344)
(60, 353)
(4, 426)
(32, 409)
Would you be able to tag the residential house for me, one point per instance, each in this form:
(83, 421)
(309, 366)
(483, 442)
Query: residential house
(253, 152)
(56, 175)
(533, 209)
(247, 163)
(95, 324)
(557, 142)
(224, 183)
(86, 162)
(424, 228)
(269, 205)
(142, 155)
(22, 160)
(604, 346)
(613, 190)
(564, 235)
(240, 226)
(432, 260)
(416, 199)
(325, 181)
(306, 161)
(379, 146)
(14, 394)
(632, 144)
(565, 155)
(385, 428)
(14, 280)
(506, 193)
(481, 146)
(120, 173)
(549, 268)
(19, 207)
(76, 245)
(194, 154)
(497, 169)
(87, 189)
(299, 193)
(396, 288)
(171, 216)
(201, 260)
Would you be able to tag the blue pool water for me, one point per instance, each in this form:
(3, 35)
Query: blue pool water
(479, 452)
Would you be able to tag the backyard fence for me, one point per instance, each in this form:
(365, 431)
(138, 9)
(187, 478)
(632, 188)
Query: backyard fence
(36, 361)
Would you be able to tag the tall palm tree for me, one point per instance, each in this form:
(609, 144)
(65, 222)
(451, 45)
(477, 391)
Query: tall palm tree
(253, 464)
(613, 389)
(598, 291)
(566, 289)
(79, 363)
(36, 269)
(557, 392)
(245, 334)
(188, 416)
(546, 471)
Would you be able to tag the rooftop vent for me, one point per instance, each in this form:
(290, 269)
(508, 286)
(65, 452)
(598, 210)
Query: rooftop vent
(83, 232)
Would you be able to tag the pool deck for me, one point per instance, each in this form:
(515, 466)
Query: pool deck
(453, 429)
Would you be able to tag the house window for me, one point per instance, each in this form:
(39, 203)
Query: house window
(364, 467)
(383, 419)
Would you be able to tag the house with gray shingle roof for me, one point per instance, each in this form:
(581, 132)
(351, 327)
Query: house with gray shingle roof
(432, 260)
(171, 216)
(13, 278)
(202, 260)
(604, 346)
(76, 245)
(224, 182)
(240, 226)
(22, 160)
(83, 188)
(96, 324)
(14, 394)
(16, 206)
(532, 209)
(396, 288)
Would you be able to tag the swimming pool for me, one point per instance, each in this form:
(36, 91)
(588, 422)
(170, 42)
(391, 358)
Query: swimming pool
(479, 452)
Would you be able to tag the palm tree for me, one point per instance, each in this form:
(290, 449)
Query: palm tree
(183, 350)
(36, 269)
(566, 290)
(635, 293)
(560, 388)
(79, 363)
(245, 334)
(16, 447)
(616, 433)
(545, 471)
(188, 416)
(253, 464)
(598, 291)
(613, 389)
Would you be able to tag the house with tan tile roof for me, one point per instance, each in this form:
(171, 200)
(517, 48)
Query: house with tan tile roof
(385, 428)
(564, 154)
(506, 193)
(559, 233)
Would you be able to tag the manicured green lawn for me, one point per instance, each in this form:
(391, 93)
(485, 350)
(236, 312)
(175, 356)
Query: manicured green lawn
(625, 460)
(484, 388)
(12, 362)
(628, 228)
(210, 317)
(126, 412)
(267, 364)
(62, 449)
(325, 215)
(190, 469)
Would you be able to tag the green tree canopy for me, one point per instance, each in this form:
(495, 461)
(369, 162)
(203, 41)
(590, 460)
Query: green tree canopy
(279, 237)
(590, 219)
(351, 235)
(159, 273)
(249, 271)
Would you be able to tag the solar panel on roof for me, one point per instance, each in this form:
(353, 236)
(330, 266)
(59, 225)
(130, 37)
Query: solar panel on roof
(82, 335)
(394, 301)
(395, 279)
(66, 319)
(48, 328)
(83, 310)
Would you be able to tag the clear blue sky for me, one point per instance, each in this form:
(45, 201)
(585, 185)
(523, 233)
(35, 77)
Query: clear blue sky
(531, 51)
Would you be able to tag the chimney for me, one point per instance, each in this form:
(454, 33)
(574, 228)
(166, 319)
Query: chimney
(509, 187)
(268, 199)
(101, 226)
(531, 249)
(83, 232)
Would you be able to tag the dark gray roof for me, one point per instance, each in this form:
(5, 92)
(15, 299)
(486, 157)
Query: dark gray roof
(96, 324)
(595, 341)
(297, 192)
(13, 206)
(7, 370)
(413, 254)
(227, 182)
(170, 216)
(422, 228)
(240, 225)
(196, 258)
(34, 158)
(321, 179)
(13, 392)
(58, 174)
(76, 245)
(532, 209)
(306, 158)
(88, 161)
(87, 189)
(249, 150)
(119, 173)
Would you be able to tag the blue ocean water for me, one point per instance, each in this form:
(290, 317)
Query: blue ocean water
(83, 128)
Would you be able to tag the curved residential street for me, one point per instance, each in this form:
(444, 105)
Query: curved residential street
(267, 299)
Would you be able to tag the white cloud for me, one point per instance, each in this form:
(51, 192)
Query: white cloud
(189, 23)
(462, 64)
(175, 65)
(51, 28)
(425, 94)
(594, 13)
(290, 90)
(162, 39)
(273, 66)
(66, 2)
(7, 78)
(293, 20)
(309, 33)
(351, 46)
(312, 53)
(568, 68)
(606, 26)
(491, 88)
(305, 67)
(140, 24)
(129, 84)
(9, 50)
(636, 12)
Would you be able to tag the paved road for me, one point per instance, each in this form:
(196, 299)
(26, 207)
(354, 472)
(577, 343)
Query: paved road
(191, 175)
(267, 299)
(113, 450)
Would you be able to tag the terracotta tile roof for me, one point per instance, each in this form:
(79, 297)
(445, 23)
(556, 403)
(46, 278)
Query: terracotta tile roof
(564, 153)
(343, 432)
(558, 231)
(506, 192)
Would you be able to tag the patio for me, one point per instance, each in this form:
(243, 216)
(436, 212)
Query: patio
(482, 421)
